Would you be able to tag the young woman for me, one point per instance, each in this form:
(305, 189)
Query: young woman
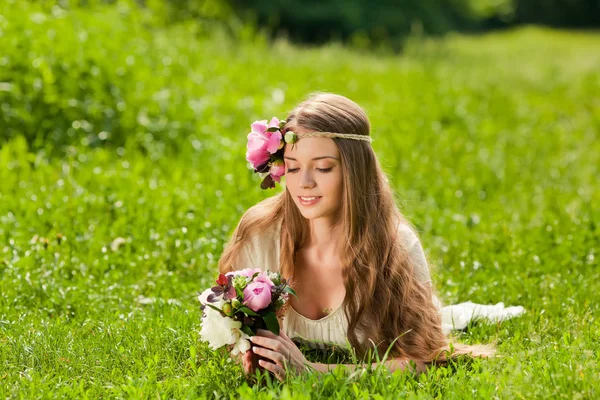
(354, 260)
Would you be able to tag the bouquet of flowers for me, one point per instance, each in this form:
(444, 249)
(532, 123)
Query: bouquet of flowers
(242, 302)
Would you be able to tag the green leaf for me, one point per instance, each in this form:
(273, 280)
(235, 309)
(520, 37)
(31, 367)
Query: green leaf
(248, 311)
(271, 321)
(214, 308)
(290, 291)
(247, 330)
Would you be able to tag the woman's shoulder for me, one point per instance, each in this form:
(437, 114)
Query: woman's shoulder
(261, 249)
(268, 236)
(407, 234)
(411, 243)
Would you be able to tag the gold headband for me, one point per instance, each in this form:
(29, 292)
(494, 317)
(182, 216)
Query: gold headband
(331, 135)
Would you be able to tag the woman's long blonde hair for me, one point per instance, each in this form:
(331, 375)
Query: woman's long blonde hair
(384, 304)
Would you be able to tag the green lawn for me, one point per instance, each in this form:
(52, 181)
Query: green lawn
(492, 144)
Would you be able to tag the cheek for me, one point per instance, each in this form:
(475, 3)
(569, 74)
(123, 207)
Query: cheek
(334, 185)
(290, 182)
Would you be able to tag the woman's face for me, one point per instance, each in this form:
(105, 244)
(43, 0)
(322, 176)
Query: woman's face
(313, 176)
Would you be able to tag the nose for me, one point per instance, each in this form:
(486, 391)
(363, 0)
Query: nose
(306, 180)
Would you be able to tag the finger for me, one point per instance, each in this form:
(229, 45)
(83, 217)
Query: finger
(269, 343)
(274, 356)
(246, 364)
(271, 335)
(267, 333)
(274, 368)
(250, 361)
(247, 368)
(285, 337)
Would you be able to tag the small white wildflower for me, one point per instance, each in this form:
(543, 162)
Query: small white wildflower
(118, 242)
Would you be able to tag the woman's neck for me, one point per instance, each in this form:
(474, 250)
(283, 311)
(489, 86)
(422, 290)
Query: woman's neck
(324, 235)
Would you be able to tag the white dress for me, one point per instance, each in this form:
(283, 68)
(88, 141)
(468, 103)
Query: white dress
(263, 252)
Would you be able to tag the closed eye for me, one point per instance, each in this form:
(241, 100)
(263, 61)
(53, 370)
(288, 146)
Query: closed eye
(323, 170)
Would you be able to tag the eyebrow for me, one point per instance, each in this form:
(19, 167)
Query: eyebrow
(316, 158)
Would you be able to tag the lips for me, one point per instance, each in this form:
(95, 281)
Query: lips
(309, 200)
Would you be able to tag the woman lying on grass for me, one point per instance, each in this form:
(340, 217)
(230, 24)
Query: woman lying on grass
(357, 266)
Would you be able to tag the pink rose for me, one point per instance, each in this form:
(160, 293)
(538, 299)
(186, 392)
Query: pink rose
(257, 295)
(256, 153)
(274, 142)
(262, 143)
(248, 272)
(264, 277)
(274, 123)
(277, 170)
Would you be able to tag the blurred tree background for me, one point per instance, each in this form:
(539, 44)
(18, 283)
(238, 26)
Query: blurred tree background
(316, 21)
(364, 22)
(62, 81)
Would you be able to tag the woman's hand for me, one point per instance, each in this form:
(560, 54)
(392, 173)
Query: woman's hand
(281, 353)
(249, 362)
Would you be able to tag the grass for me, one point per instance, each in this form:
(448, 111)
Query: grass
(491, 143)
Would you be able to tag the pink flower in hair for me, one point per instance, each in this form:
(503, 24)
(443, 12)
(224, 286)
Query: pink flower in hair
(277, 170)
(274, 123)
(258, 140)
(274, 142)
(263, 141)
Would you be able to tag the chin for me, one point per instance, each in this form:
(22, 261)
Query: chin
(309, 214)
(313, 214)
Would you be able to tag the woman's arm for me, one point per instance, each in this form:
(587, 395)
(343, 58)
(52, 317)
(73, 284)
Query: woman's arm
(392, 365)
(283, 354)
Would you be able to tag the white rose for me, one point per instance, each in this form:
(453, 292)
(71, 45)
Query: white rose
(219, 331)
(242, 345)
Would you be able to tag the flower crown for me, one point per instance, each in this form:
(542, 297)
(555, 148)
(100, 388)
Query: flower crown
(265, 148)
